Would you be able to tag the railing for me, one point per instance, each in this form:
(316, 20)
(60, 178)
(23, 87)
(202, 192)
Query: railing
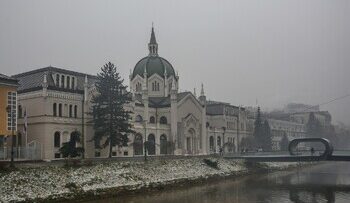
(21, 153)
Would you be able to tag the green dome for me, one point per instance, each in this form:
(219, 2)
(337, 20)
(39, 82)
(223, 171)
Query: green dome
(153, 65)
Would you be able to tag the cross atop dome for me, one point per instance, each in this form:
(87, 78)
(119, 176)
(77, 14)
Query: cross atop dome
(152, 45)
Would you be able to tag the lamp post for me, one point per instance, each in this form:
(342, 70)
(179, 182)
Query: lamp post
(145, 142)
(11, 112)
(238, 125)
(223, 139)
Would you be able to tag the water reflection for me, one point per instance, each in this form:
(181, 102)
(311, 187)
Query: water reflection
(322, 183)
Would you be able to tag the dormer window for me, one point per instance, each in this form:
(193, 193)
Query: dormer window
(57, 80)
(68, 82)
(73, 83)
(62, 81)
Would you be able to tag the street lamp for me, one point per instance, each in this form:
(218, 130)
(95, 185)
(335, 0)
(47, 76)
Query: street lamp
(223, 139)
(145, 142)
(11, 112)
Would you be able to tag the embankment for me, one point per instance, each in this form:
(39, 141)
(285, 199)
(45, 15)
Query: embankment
(58, 183)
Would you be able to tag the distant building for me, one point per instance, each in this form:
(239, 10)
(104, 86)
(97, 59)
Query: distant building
(8, 98)
(324, 117)
(226, 124)
(298, 108)
(280, 128)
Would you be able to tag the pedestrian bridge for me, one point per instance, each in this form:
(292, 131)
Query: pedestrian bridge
(293, 155)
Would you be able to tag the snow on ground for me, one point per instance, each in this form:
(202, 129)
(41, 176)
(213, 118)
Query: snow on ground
(52, 182)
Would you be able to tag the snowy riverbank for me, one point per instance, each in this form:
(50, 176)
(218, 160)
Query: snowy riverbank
(107, 179)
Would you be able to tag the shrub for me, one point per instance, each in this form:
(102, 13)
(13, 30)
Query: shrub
(211, 163)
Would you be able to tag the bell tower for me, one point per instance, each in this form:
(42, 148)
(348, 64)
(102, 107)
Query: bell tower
(152, 45)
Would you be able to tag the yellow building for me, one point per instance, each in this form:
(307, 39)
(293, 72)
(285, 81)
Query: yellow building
(8, 97)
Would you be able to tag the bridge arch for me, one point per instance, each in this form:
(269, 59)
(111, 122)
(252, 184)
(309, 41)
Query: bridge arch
(327, 144)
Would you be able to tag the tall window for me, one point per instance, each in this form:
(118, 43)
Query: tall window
(12, 115)
(163, 120)
(152, 119)
(219, 141)
(163, 144)
(68, 82)
(57, 140)
(57, 80)
(155, 86)
(60, 110)
(138, 144)
(73, 82)
(75, 111)
(70, 111)
(62, 81)
(151, 144)
(138, 87)
(54, 109)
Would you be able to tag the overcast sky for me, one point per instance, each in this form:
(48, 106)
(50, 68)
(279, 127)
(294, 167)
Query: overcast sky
(274, 52)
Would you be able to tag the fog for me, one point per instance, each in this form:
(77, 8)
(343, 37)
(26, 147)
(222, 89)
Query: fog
(252, 52)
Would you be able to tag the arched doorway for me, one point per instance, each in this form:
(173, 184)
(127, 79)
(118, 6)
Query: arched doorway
(151, 145)
(211, 143)
(57, 144)
(163, 144)
(191, 141)
(138, 145)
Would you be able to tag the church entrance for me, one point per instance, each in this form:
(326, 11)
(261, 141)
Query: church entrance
(191, 142)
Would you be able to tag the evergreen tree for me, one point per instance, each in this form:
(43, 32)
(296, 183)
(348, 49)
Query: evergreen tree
(111, 120)
(284, 142)
(258, 129)
(70, 149)
(266, 140)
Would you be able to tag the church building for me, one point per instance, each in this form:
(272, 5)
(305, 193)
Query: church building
(58, 102)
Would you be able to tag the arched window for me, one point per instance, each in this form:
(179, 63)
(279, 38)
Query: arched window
(62, 81)
(57, 80)
(138, 119)
(211, 143)
(155, 86)
(152, 119)
(75, 111)
(60, 110)
(151, 148)
(73, 83)
(163, 120)
(57, 140)
(54, 109)
(138, 145)
(138, 87)
(163, 144)
(219, 141)
(70, 111)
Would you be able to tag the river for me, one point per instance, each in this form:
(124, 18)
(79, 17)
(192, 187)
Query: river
(328, 182)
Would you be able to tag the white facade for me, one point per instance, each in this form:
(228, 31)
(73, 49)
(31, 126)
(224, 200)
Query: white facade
(57, 102)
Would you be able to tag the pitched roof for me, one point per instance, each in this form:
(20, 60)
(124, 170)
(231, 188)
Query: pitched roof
(7, 80)
(160, 102)
(32, 80)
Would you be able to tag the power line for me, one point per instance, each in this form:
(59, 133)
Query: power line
(330, 101)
